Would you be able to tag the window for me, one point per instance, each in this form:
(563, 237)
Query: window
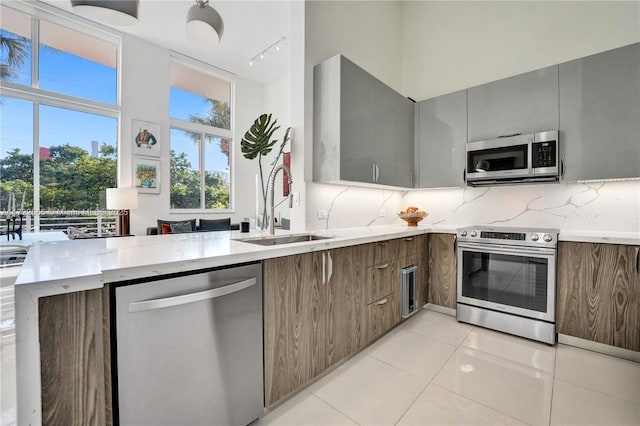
(58, 115)
(201, 140)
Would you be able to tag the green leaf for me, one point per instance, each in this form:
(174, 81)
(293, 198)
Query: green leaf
(257, 140)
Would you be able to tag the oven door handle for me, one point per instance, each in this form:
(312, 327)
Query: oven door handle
(505, 249)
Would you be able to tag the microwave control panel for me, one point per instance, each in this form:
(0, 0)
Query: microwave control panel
(545, 154)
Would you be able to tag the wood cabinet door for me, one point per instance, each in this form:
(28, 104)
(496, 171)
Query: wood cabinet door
(294, 323)
(599, 293)
(344, 329)
(382, 279)
(442, 270)
(382, 315)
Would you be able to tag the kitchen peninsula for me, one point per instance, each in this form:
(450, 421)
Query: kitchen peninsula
(79, 267)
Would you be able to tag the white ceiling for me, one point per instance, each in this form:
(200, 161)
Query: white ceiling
(249, 27)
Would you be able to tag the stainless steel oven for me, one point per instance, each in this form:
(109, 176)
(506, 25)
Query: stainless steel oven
(507, 280)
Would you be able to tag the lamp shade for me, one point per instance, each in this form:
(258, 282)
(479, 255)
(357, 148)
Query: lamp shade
(116, 12)
(204, 25)
(122, 198)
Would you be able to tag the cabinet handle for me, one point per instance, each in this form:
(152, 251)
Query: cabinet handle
(382, 244)
(562, 167)
(464, 175)
(324, 269)
(376, 169)
(373, 172)
(329, 266)
(637, 260)
(409, 239)
(386, 265)
(382, 302)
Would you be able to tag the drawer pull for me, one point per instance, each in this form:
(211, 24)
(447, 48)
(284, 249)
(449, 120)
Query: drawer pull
(386, 265)
(382, 302)
(382, 244)
(409, 239)
(637, 260)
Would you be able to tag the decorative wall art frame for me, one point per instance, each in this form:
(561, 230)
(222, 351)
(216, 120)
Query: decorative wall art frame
(146, 138)
(146, 175)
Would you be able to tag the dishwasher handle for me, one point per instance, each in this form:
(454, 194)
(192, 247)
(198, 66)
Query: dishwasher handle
(149, 305)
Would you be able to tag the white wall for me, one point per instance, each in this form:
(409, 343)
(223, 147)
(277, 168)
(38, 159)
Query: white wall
(145, 96)
(447, 46)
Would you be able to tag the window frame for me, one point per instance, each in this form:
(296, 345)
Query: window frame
(32, 93)
(204, 130)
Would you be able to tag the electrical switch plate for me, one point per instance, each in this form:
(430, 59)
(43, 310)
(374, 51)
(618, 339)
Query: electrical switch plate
(323, 214)
(296, 198)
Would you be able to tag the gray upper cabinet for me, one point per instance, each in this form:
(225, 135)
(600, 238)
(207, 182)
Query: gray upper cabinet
(359, 132)
(600, 115)
(441, 137)
(525, 103)
(405, 148)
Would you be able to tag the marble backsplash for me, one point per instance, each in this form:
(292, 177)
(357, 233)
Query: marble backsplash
(600, 206)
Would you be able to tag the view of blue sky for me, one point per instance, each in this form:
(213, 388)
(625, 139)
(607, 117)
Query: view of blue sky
(72, 75)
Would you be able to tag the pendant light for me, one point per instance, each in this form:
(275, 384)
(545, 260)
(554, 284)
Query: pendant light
(115, 12)
(204, 24)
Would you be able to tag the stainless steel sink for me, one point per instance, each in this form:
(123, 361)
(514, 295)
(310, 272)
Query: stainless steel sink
(282, 239)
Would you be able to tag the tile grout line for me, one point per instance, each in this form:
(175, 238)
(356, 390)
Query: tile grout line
(435, 374)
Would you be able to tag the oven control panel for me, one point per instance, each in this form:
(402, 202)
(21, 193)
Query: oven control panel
(504, 235)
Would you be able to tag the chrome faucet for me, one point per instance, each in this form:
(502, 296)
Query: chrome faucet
(272, 226)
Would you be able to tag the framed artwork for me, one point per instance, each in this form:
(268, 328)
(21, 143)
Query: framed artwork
(146, 175)
(146, 138)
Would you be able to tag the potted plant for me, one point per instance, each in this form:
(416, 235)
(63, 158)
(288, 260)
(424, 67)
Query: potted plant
(257, 143)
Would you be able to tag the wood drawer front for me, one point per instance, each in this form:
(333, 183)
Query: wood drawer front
(382, 315)
(382, 279)
(381, 252)
(408, 246)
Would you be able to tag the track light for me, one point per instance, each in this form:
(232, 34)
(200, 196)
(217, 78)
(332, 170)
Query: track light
(115, 12)
(204, 24)
(275, 45)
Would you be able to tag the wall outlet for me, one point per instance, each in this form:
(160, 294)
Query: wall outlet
(323, 214)
(382, 213)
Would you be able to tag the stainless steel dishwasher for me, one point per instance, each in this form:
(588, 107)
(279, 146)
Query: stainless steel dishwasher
(188, 349)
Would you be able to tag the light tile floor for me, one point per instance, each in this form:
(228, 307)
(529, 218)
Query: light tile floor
(432, 370)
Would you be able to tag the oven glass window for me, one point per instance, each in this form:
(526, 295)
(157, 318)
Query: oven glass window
(518, 281)
(498, 159)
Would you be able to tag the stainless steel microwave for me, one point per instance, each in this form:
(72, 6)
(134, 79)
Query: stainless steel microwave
(531, 158)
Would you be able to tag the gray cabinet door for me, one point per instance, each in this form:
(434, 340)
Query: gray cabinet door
(385, 134)
(357, 127)
(441, 141)
(600, 115)
(404, 163)
(525, 103)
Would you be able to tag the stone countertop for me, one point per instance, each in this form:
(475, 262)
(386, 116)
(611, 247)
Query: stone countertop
(58, 267)
(607, 237)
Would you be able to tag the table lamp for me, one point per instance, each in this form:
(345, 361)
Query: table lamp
(122, 199)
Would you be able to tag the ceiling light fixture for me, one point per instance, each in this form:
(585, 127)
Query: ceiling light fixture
(115, 12)
(275, 45)
(204, 24)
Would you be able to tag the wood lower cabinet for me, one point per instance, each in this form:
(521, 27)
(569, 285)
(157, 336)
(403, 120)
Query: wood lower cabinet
(294, 323)
(598, 293)
(382, 279)
(442, 271)
(75, 377)
(382, 315)
(345, 327)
